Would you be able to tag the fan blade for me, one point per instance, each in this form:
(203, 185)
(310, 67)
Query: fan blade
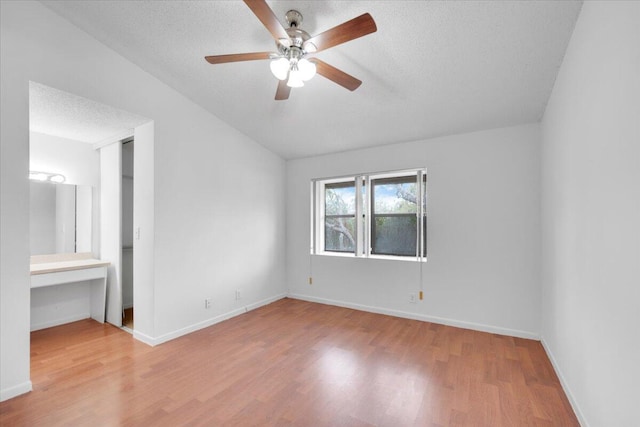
(264, 13)
(237, 57)
(347, 31)
(283, 91)
(337, 76)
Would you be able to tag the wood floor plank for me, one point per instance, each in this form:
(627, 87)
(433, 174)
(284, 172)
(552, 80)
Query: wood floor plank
(290, 363)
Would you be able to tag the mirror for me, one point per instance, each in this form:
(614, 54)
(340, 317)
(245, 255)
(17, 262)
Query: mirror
(60, 218)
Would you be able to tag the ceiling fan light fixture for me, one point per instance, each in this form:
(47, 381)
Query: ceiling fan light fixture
(280, 68)
(307, 69)
(295, 78)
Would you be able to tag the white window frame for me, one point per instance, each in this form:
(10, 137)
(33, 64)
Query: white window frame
(364, 210)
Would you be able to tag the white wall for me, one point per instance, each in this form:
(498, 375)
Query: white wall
(591, 216)
(143, 217)
(14, 222)
(217, 198)
(80, 164)
(483, 233)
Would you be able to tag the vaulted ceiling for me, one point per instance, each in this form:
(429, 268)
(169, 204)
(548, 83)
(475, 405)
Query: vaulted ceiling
(432, 68)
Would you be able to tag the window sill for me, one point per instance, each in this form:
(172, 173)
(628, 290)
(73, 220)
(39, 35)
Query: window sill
(377, 257)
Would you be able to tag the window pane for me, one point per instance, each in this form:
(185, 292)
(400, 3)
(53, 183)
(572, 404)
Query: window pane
(340, 198)
(339, 234)
(395, 195)
(394, 235)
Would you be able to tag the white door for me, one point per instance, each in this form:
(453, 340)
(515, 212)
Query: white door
(111, 226)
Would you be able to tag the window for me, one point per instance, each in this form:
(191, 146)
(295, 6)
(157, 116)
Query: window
(370, 215)
(340, 217)
(393, 216)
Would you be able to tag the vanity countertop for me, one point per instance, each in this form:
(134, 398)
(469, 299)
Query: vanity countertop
(42, 264)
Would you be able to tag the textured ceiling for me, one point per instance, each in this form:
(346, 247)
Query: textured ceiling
(432, 68)
(58, 113)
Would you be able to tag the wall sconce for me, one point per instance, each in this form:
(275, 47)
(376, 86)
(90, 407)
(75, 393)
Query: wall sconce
(47, 177)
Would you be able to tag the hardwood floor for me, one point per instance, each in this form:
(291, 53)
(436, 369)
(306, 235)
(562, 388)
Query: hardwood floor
(290, 363)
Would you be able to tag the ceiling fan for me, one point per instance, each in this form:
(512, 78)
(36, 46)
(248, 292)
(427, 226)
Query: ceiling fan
(290, 64)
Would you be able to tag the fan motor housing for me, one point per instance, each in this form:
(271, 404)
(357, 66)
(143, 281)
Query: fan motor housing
(297, 35)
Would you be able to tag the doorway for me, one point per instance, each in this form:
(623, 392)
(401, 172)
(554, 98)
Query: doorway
(127, 235)
(126, 215)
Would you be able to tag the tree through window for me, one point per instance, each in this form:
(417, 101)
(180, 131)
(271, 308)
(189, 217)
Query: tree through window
(394, 210)
(340, 217)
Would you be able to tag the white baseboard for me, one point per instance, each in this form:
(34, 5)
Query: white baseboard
(58, 322)
(144, 338)
(414, 316)
(204, 324)
(565, 386)
(16, 390)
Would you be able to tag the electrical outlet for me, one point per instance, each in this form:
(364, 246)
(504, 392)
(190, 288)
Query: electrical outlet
(311, 280)
(412, 298)
(207, 302)
(238, 294)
